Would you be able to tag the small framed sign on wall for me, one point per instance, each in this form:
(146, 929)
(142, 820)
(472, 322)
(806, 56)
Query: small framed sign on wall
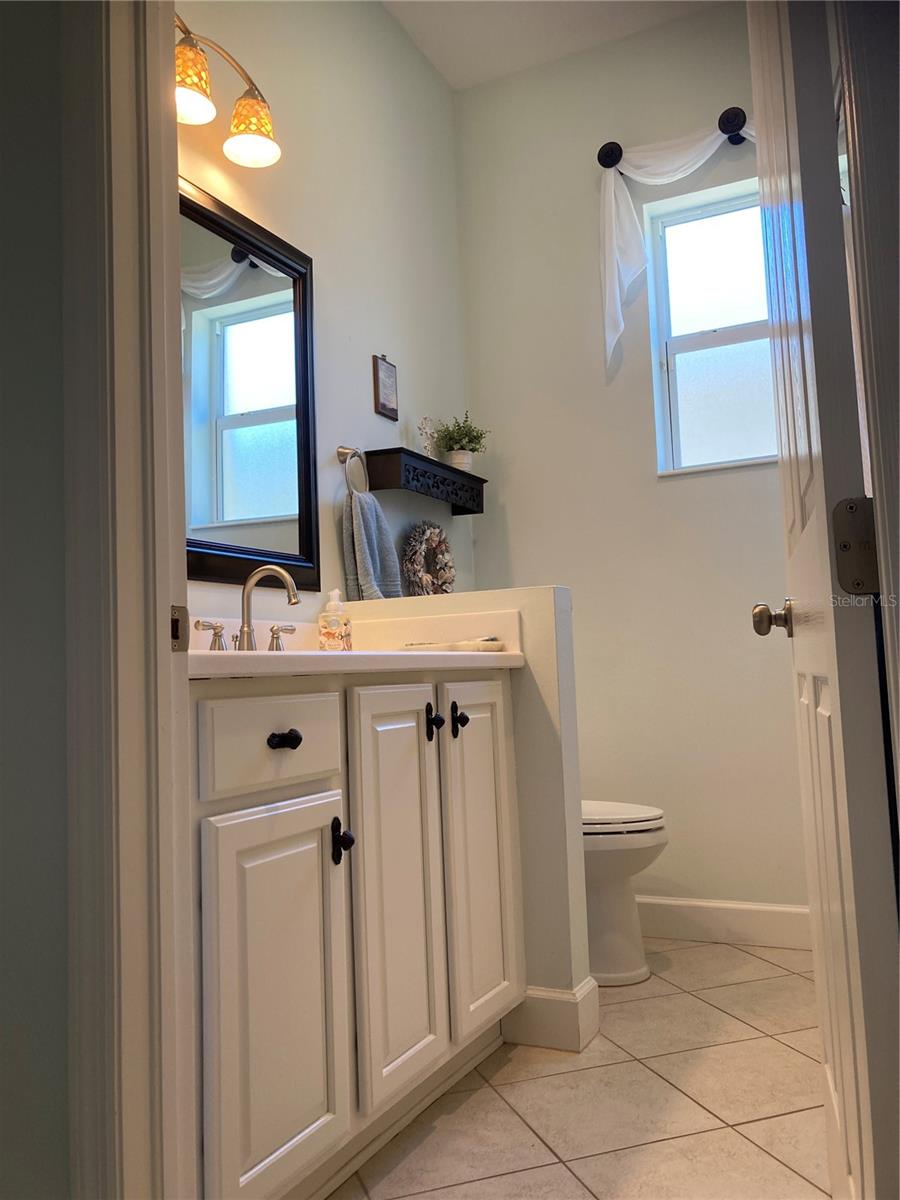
(384, 376)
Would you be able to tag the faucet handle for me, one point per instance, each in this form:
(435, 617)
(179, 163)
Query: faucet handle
(218, 642)
(275, 642)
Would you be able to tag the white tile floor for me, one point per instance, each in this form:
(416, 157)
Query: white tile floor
(703, 1084)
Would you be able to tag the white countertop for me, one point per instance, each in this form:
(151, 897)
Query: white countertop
(204, 664)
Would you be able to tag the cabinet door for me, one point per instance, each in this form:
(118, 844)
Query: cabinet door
(275, 995)
(481, 857)
(399, 941)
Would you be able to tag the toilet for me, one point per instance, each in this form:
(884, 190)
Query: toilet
(619, 840)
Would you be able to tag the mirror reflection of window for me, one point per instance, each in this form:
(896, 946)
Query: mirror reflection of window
(239, 369)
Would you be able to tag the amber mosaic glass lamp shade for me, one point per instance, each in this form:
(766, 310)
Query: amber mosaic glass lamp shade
(193, 99)
(252, 139)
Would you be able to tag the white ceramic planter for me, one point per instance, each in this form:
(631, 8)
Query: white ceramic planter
(461, 459)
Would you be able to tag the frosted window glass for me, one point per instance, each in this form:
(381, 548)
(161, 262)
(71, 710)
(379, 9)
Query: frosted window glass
(259, 364)
(259, 471)
(726, 408)
(716, 272)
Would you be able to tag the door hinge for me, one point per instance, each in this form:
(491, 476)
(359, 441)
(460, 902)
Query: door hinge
(853, 524)
(180, 628)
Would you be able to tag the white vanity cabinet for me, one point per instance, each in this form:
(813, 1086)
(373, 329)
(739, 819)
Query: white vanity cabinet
(436, 876)
(275, 994)
(400, 949)
(332, 991)
(481, 856)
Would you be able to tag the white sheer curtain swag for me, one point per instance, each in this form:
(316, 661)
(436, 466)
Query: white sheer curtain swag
(623, 255)
(204, 283)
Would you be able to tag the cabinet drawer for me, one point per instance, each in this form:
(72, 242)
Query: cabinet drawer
(235, 758)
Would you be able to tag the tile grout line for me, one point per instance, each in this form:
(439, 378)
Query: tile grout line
(722, 1124)
(777, 1116)
(750, 1140)
(677, 1137)
(560, 1160)
(752, 1120)
(758, 1037)
(767, 1037)
(715, 1115)
(714, 987)
(633, 999)
(466, 1182)
(811, 1057)
(703, 1000)
(719, 986)
(512, 1109)
(672, 1137)
(572, 1071)
(706, 1046)
(753, 954)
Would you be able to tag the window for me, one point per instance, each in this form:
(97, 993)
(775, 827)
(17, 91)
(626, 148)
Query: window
(713, 374)
(255, 426)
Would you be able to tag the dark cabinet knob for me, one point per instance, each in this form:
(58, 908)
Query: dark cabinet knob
(434, 722)
(341, 841)
(290, 740)
(458, 719)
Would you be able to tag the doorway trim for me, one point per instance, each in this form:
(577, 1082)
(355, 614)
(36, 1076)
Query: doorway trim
(131, 1133)
(868, 57)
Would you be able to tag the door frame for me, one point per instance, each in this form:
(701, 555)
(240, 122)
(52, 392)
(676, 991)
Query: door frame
(132, 1063)
(131, 1072)
(868, 62)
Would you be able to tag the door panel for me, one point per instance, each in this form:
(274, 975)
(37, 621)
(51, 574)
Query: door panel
(843, 774)
(398, 898)
(481, 857)
(275, 995)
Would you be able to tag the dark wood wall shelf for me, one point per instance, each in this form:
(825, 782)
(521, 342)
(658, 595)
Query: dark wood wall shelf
(414, 472)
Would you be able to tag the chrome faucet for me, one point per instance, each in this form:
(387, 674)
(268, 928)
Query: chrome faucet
(247, 640)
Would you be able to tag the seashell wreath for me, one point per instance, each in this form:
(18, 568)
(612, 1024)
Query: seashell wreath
(427, 562)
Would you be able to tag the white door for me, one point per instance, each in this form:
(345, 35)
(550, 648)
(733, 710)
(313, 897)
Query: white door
(400, 948)
(849, 862)
(481, 857)
(276, 1050)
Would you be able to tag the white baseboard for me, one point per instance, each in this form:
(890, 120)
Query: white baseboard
(556, 1018)
(726, 921)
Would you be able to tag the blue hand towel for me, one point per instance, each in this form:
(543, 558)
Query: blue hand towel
(370, 560)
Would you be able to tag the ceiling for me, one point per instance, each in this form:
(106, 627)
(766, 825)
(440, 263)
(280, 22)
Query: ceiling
(474, 41)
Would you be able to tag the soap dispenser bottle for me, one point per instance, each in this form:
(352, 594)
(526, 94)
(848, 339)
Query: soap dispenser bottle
(334, 625)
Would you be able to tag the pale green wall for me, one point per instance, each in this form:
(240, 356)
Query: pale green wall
(34, 1134)
(680, 705)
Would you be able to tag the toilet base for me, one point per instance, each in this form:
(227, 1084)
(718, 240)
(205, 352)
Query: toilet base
(615, 943)
(620, 979)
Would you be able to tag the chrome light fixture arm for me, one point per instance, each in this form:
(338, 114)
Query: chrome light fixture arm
(222, 52)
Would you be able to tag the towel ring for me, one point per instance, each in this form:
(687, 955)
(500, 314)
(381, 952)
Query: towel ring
(346, 455)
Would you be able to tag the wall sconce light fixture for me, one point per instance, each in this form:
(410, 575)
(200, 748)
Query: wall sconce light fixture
(251, 142)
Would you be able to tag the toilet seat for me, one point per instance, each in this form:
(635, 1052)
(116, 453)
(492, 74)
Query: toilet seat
(603, 818)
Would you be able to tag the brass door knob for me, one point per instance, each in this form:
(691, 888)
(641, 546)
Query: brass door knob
(764, 618)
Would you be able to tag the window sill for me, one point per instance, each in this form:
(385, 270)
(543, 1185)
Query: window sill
(707, 468)
(213, 525)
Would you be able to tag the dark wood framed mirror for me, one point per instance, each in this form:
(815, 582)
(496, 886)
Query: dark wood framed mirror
(249, 408)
